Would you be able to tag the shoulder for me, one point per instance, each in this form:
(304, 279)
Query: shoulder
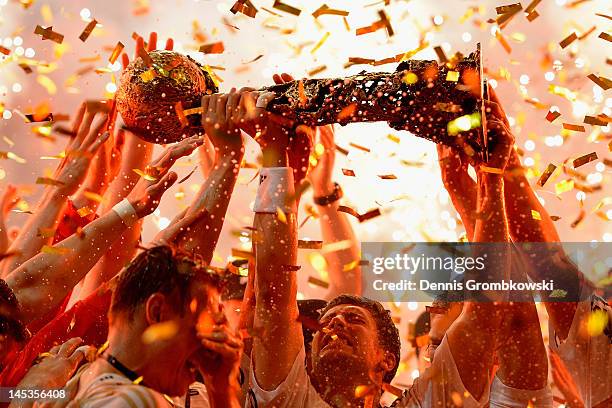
(111, 390)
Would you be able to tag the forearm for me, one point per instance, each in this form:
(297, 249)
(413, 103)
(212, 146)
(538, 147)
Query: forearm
(344, 272)
(136, 156)
(46, 217)
(223, 395)
(213, 200)
(276, 310)
(4, 239)
(43, 281)
(520, 202)
(491, 225)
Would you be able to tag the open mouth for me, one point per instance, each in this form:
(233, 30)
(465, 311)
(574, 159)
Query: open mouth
(336, 338)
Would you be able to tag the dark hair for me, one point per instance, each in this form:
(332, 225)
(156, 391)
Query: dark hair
(9, 310)
(421, 328)
(388, 335)
(160, 269)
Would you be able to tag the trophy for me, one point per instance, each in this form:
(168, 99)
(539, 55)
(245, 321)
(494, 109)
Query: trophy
(439, 102)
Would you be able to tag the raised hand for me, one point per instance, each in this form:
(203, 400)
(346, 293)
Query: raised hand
(147, 193)
(220, 121)
(320, 175)
(461, 188)
(81, 149)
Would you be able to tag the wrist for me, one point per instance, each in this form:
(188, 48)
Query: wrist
(323, 189)
(275, 157)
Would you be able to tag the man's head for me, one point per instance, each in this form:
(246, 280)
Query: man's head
(13, 333)
(357, 336)
(157, 302)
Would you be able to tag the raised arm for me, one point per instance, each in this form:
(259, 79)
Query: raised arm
(42, 282)
(275, 241)
(220, 122)
(136, 155)
(69, 175)
(474, 356)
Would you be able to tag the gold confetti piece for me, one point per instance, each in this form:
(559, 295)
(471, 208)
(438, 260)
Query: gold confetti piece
(46, 232)
(575, 128)
(348, 172)
(504, 43)
(578, 220)
(595, 121)
(384, 19)
(356, 146)
(441, 55)
(4, 50)
(321, 42)
(47, 83)
(604, 83)
(605, 36)
(546, 175)
(324, 9)
(410, 78)
(531, 7)
(279, 5)
(317, 70)
(492, 170)
(532, 16)
(148, 75)
(188, 175)
(245, 7)
(257, 58)
(144, 175)
(393, 138)
(350, 266)
(90, 195)
(587, 158)
(568, 40)
(309, 244)
(597, 322)
(318, 282)
(213, 48)
(49, 34)
(48, 181)
(280, 214)
(564, 186)
(84, 211)
(587, 33)
(88, 29)
(536, 215)
(363, 390)
(388, 176)
(47, 249)
(178, 108)
(552, 115)
(359, 60)
(452, 76)
(160, 332)
(116, 52)
(604, 16)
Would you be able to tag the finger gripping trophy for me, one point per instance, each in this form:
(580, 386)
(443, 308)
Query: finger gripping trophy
(439, 102)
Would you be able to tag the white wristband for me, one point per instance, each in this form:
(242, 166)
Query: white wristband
(276, 190)
(126, 212)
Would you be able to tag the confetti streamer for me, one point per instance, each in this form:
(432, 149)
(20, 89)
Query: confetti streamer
(279, 5)
(441, 55)
(88, 30)
(568, 40)
(49, 34)
(318, 282)
(492, 170)
(245, 7)
(4, 50)
(362, 148)
(604, 83)
(116, 52)
(552, 115)
(321, 42)
(49, 181)
(595, 121)
(144, 175)
(546, 175)
(605, 36)
(325, 10)
(348, 172)
(575, 128)
(46, 249)
(579, 219)
(213, 48)
(309, 244)
(587, 158)
(317, 70)
(388, 177)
